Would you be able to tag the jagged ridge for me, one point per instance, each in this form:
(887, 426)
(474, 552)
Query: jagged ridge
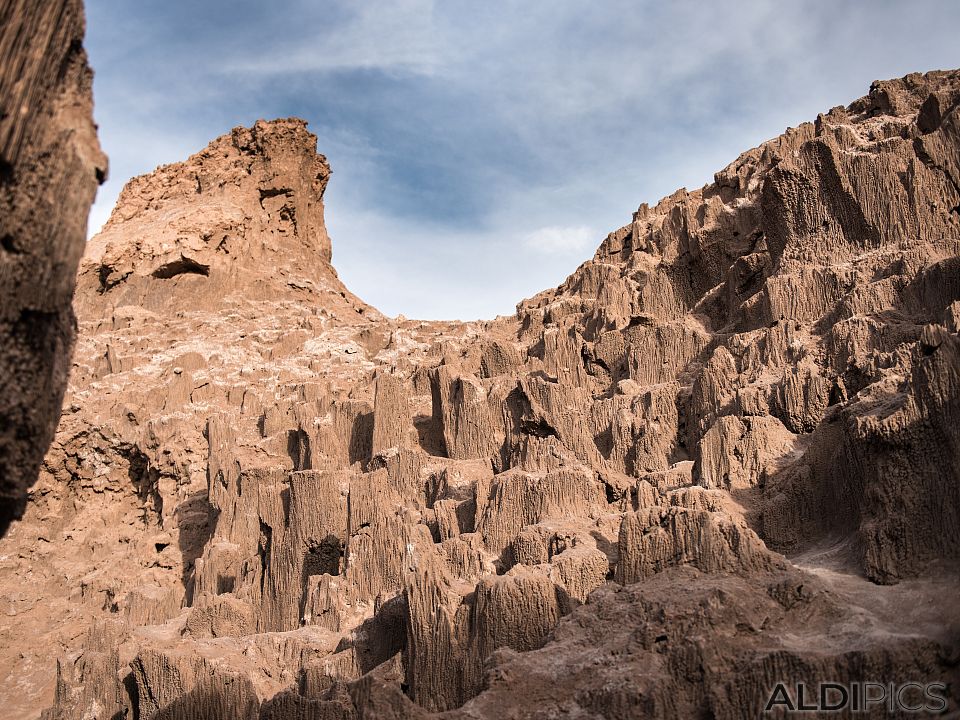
(344, 515)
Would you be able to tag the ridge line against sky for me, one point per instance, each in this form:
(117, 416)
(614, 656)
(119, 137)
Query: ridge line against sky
(481, 152)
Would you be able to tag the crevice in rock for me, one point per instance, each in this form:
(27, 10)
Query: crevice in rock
(9, 245)
(266, 193)
(144, 479)
(108, 281)
(183, 266)
(538, 428)
(7, 173)
(925, 158)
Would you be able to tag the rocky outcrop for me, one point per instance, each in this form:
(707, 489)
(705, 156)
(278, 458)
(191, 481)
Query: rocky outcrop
(50, 167)
(683, 644)
(655, 539)
(243, 217)
(702, 465)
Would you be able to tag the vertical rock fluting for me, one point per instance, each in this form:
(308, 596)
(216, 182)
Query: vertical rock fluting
(50, 167)
(315, 511)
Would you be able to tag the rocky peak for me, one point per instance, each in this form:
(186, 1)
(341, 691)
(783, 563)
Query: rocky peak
(243, 214)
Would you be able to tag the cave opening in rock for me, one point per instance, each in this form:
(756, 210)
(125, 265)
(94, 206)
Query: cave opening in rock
(324, 557)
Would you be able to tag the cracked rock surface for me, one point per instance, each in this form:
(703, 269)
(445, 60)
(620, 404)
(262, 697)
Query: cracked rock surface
(723, 453)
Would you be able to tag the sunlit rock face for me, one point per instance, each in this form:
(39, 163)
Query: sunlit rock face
(722, 454)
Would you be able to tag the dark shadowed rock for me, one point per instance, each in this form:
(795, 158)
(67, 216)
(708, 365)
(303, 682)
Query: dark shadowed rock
(50, 167)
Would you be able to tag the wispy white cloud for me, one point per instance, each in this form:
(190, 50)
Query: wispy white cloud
(561, 240)
(387, 35)
(481, 150)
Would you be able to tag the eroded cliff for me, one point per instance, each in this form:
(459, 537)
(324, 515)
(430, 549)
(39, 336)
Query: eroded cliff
(723, 453)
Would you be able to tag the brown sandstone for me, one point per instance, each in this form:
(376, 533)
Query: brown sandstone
(723, 453)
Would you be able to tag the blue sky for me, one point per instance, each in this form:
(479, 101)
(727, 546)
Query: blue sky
(481, 151)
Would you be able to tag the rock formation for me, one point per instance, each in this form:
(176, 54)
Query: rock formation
(724, 453)
(50, 167)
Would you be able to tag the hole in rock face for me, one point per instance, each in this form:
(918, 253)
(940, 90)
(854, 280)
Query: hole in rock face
(323, 557)
(612, 494)
(104, 275)
(182, 266)
(641, 321)
(272, 192)
(539, 428)
(161, 546)
(9, 244)
(7, 174)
